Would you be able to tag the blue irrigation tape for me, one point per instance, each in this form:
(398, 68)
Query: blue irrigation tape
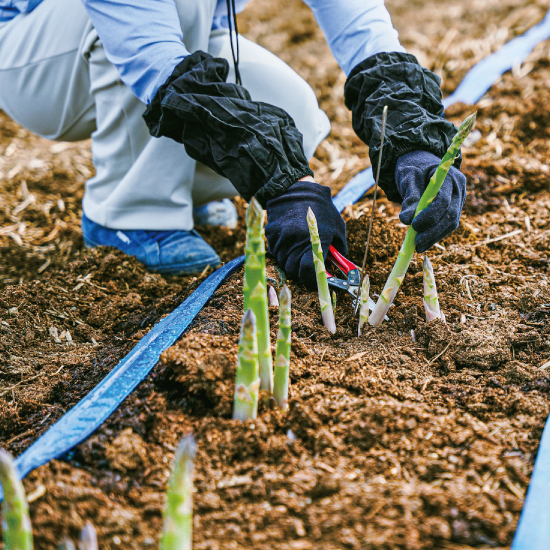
(91, 411)
(485, 73)
(533, 530)
(354, 189)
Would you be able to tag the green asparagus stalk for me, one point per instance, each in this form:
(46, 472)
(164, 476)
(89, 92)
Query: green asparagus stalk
(320, 271)
(363, 304)
(177, 532)
(282, 355)
(255, 289)
(248, 379)
(88, 537)
(16, 524)
(431, 301)
(407, 248)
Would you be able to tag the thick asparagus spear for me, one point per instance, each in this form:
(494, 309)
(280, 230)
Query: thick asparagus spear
(248, 379)
(255, 289)
(16, 524)
(177, 533)
(407, 248)
(282, 355)
(320, 271)
(363, 304)
(431, 301)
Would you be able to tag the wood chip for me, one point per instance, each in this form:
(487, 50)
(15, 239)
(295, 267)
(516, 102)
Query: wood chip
(356, 356)
(40, 491)
(496, 239)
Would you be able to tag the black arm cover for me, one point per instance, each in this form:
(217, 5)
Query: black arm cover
(255, 145)
(414, 123)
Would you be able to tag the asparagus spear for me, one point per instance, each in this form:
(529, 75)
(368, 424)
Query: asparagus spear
(431, 302)
(255, 289)
(407, 248)
(16, 524)
(177, 532)
(88, 537)
(363, 304)
(248, 381)
(66, 544)
(272, 296)
(282, 355)
(320, 271)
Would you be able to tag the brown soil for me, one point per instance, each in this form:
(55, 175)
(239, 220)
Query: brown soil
(391, 442)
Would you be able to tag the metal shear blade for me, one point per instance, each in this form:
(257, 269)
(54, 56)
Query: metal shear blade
(351, 273)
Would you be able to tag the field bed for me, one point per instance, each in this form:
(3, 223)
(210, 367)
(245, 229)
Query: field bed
(389, 443)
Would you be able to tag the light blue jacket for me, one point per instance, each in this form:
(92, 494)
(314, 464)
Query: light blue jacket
(143, 38)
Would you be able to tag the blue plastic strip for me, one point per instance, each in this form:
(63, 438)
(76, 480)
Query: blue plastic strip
(533, 530)
(354, 189)
(485, 73)
(91, 411)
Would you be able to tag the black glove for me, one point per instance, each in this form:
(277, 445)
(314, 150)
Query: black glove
(441, 217)
(414, 122)
(255, 145)
(287, 231)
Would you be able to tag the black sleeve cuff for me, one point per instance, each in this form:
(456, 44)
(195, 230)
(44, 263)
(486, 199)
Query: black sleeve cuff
(413, 96)
(253, 144)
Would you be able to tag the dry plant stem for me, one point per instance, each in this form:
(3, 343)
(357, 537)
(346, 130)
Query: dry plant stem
(177, 532)
(407, 248)
(88, 538)
(255, 289)
(247, 385)
(382, 135)
(431, 301)
(363, 304)
(282, 355)
(16, 524)
(321, 274)
(334, 302)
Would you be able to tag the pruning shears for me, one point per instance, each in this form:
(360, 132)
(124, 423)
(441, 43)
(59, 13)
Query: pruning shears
(338, 263)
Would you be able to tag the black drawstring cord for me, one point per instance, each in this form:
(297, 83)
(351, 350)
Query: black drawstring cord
(232, 21)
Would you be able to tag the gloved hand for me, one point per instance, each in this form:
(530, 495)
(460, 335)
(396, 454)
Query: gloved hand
(415, 121)
(441, 217)
(256, 146)
(287, 231)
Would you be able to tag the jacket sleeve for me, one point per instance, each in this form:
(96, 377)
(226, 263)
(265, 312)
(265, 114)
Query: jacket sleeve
(415, 112)
(141, 38)
(355, 29)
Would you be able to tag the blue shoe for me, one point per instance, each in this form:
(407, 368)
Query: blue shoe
(218, 213)
(162, 251)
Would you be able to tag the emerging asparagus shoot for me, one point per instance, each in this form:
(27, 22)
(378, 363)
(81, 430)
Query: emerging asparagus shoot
(363, 304)
(178, 516)
(16, 525)
(272, 296)
(321, 274)
(407, 248)
(282, 355)
(248, 380)
(88, 537)
(255, 289)
(431, 301)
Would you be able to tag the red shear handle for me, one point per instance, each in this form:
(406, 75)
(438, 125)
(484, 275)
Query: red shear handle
(342, 263)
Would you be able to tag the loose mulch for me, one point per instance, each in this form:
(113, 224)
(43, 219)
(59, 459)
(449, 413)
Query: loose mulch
(414, 436)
